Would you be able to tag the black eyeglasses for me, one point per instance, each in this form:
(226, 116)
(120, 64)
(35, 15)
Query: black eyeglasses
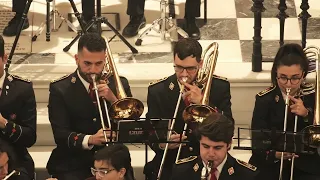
(101, 173)
(293, 80)
(191, 69)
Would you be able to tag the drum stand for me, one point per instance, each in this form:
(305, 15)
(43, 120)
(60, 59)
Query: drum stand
(166, 25)
(96, 20)
(51, 16)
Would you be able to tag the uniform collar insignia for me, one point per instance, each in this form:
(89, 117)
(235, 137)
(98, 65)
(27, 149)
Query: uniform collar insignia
(171, 86)
(276, 98)
(73, 79)
(10, 78)
(231, 171)
(196, 167)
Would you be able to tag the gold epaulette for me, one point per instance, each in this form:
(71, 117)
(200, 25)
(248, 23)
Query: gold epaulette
(157, 81)
(266, 91)
(61, 78)
(18, 77)
(220, 77)
(247, 165)
(307, 88)
(188, 159)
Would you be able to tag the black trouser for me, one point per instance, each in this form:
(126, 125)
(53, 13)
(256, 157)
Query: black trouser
(74, 175)
(88, 10)
(136, 7)
(18, 6)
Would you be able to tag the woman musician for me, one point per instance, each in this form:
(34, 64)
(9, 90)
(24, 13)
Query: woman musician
(288, 74)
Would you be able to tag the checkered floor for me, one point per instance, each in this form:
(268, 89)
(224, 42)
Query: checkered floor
(230, 23)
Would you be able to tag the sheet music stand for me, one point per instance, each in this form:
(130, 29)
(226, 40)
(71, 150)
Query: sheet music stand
(277, 140)
(144, 130)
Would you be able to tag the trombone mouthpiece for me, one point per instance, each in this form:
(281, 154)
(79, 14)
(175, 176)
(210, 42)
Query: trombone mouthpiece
(288, 90)
(93, 76)
(184, 79)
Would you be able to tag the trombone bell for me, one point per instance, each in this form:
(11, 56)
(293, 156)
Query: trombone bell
(126, 108)
(197, 113)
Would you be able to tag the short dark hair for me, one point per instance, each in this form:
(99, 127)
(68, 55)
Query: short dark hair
(5, 147)
(216, 127)
(93, 42)
(187, 47)
(288, 55)
(1, 46)
(118, 156)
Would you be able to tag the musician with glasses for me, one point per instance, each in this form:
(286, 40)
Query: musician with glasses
(113, 162)
(289, 70)
(163, 96)
(74, 114)
(215, 136)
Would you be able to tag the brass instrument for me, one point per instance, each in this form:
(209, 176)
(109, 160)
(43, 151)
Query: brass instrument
(206, 170)
(14, 172)
(284, 129)
(311, 134)
(124, 107)
(198, 112)
(170, 130)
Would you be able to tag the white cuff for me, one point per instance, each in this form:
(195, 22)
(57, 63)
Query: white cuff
(85, 143)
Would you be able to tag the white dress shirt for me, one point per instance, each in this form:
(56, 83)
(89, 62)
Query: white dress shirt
(85, 142)
(219, 168)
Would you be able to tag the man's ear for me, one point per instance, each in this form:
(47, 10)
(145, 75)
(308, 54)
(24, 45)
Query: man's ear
(76, 57)
(201, 63)
(5, 59)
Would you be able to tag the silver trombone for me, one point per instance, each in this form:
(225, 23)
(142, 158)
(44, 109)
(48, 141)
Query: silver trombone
(170, 130)
(14, 172)
(284, 129)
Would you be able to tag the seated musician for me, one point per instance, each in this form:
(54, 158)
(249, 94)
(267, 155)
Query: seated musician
(10, 167)
(163, 96)
(18, 114)
(215, 135)
(113, 162)
(289, 70)
(73, 112)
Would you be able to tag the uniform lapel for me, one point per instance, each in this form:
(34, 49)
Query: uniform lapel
(6, 90)
(173, 91)
(78, 94)
(228, 171)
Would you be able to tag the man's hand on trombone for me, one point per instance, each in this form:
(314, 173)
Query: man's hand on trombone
(298, 107)
(194, 94)
(99, 139)
(105, 92)
(286, 155)
(176, 138)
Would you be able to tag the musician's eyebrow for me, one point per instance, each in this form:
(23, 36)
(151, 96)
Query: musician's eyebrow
(287, 75)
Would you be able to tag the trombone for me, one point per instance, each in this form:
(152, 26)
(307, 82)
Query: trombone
(170, 130)
(311, 134)
(125, 107)
(14, 172)
(198, 112)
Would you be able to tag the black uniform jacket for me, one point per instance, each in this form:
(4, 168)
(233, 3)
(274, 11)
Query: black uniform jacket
(234, 169)
(162, 99)
(268, 114)
(73, 115)
(18, 106)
